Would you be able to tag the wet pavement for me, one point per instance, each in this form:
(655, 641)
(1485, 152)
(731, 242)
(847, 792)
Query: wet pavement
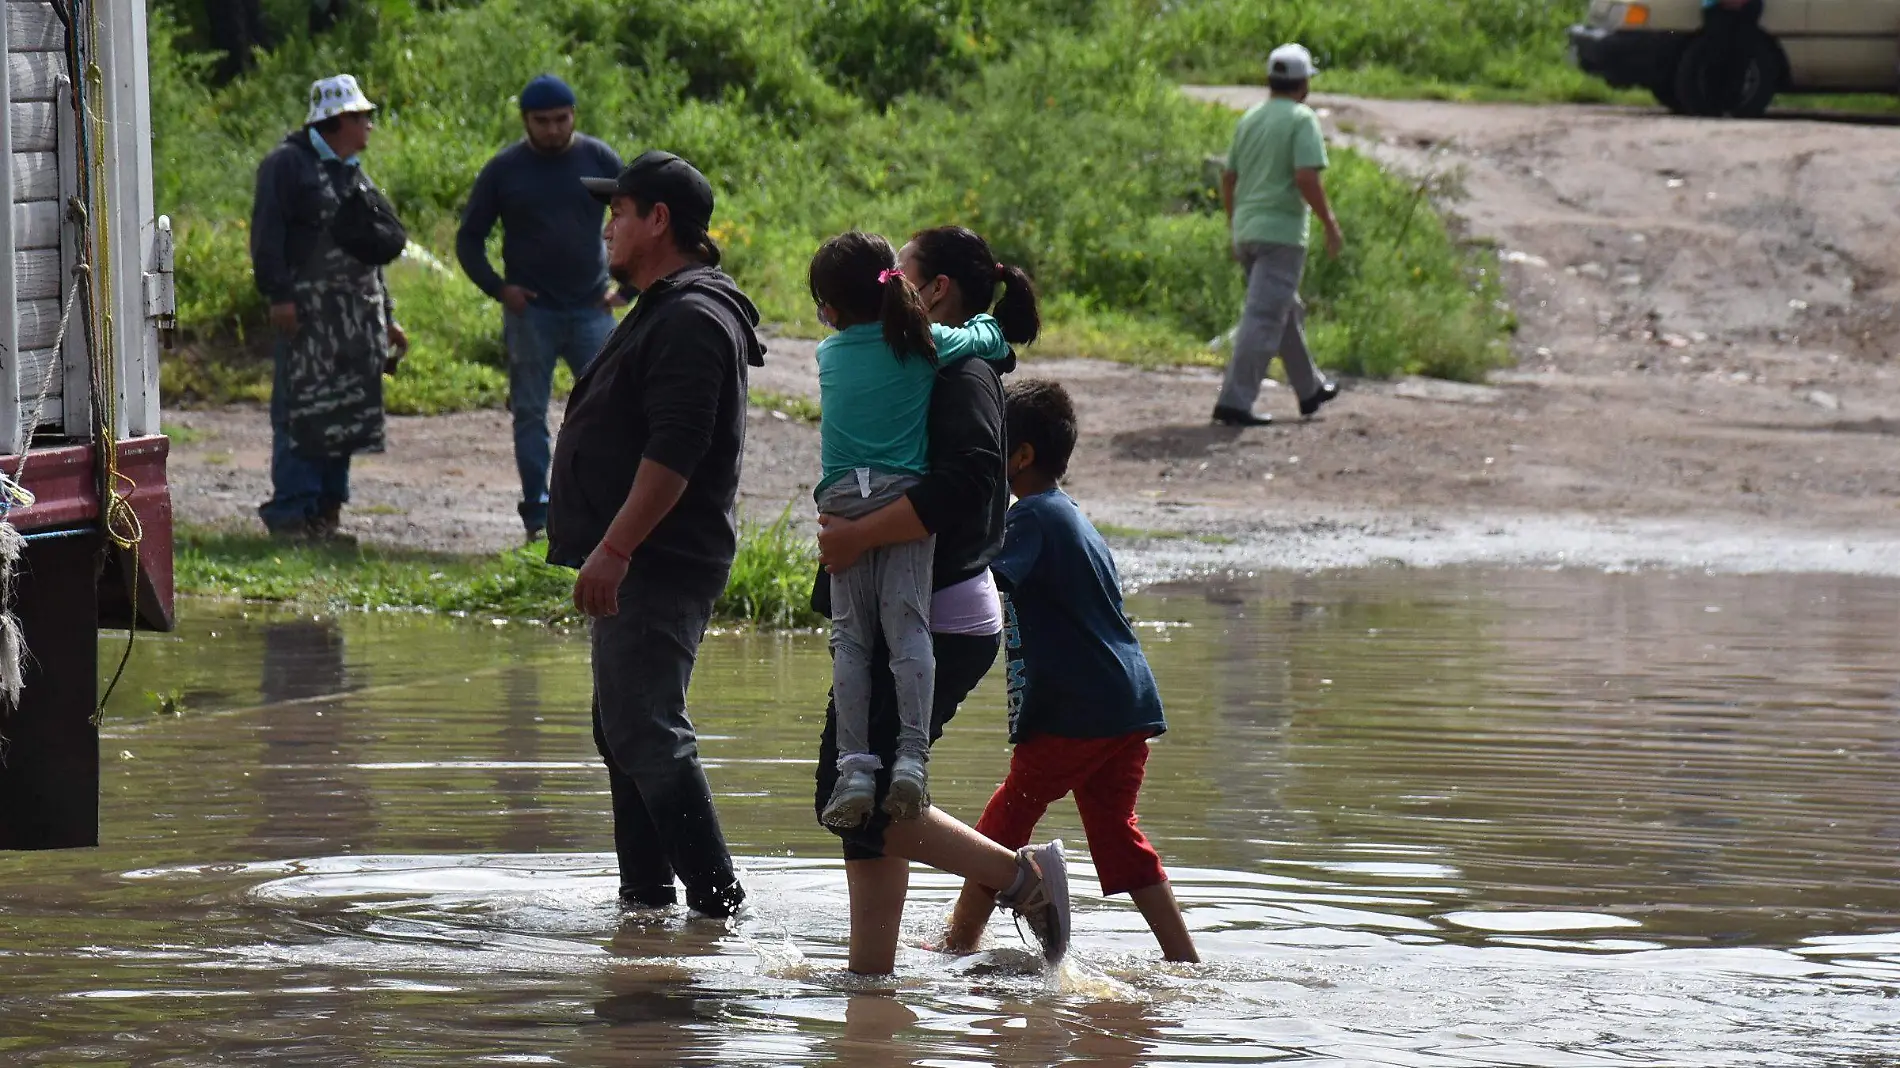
(1422, 818)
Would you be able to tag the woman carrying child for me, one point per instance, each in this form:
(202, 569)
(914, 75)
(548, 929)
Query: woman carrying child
(960, 500)
(874, 382)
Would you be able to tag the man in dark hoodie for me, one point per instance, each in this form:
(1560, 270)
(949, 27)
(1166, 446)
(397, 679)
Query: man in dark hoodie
(645, 473)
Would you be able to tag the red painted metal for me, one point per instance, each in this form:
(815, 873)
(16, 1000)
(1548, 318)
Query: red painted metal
(65, 487)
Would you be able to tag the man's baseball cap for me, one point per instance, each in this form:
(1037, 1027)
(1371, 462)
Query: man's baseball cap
(662, 178)
(1291, 61)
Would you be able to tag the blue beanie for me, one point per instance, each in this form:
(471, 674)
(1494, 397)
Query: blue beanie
(546, 91)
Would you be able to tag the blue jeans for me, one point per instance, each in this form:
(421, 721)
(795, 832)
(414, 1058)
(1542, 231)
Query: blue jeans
(302, 487)
(536, 339)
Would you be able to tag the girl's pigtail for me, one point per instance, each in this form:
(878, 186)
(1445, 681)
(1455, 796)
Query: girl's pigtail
(906, 324)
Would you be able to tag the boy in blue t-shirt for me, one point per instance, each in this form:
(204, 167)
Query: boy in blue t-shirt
(1082, 702)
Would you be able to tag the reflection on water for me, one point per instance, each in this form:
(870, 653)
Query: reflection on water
(1423, 819)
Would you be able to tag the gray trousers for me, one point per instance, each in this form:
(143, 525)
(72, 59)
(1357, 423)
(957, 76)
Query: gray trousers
(1274, 320)
(664, 821)
(887, 591)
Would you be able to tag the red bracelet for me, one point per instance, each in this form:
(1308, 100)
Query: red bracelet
(607, 547)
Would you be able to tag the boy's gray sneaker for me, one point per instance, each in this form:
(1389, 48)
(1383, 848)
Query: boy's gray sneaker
(1044, 906)
(851, 800)
(910, 789)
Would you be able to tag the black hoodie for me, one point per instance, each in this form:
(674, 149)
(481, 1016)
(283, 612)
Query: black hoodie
(668, 386)
(287, 213)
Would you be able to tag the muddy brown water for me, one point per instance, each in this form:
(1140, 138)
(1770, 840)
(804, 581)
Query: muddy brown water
(1446, 818)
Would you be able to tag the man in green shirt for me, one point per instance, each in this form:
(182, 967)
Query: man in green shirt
(1272, 178)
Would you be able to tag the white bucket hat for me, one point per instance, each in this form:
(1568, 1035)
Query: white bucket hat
(1291, 61)
(336, 96)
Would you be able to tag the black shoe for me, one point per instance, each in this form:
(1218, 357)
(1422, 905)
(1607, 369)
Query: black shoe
(327, 526)
(535, 534)
(1326, 391)
(1239, 417)
(301, 531)
(633, 899)
(718, 905)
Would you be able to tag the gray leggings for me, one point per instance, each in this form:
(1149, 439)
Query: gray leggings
(888, 591)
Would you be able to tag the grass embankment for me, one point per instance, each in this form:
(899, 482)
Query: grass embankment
(1468, 50)
(1444, 49)
(770, 585)
(1053, 127)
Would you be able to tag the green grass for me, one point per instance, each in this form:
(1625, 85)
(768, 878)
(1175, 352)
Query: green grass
(1054, 127)
(803, 409)
(1465, 50)
(1451, 49)
(770, 585)
(1117, 532)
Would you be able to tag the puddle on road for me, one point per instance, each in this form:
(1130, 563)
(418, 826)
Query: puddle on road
(1415, 818)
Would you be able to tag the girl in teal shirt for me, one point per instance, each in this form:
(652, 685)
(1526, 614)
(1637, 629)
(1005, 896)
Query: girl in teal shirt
(874, 380)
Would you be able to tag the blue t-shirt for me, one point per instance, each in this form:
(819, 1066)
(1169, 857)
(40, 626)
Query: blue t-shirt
(550, 224)
(1075, 667)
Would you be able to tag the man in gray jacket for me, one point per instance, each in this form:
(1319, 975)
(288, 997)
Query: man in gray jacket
(335, 321)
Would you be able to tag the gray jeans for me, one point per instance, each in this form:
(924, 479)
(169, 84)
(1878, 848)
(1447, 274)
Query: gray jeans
(887, 591)
(1274, 320)
(664, 821)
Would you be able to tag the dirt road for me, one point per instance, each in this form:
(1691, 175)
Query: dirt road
(1707, 376)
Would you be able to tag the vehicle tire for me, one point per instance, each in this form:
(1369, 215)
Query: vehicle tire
(1761, 73)
(1665, 93)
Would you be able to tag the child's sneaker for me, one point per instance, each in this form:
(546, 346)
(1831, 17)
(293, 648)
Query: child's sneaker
(1045, 906)
(910, 789)
(851, 800)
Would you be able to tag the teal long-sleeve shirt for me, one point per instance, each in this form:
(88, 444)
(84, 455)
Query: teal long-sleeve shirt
(876, 407)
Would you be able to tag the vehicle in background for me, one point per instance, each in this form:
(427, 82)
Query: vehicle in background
(1804, 46)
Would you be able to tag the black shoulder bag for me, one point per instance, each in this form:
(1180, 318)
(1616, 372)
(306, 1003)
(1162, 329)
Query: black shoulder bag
(365, 225)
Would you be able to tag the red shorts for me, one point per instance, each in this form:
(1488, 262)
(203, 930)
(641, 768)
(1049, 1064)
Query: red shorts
(1105, 775)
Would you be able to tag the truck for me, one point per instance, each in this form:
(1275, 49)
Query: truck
(1804, 46)
(85, 306)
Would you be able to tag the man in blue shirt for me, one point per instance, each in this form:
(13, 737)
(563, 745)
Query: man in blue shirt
(555, 292)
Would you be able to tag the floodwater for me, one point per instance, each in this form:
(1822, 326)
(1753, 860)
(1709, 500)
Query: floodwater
(1444, 818)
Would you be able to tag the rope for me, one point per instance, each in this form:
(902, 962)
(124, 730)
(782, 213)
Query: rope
(46, 387)
(117, 516)
(13, 493)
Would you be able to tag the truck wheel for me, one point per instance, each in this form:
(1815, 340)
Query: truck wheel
(1665, 93)
(1760, 70)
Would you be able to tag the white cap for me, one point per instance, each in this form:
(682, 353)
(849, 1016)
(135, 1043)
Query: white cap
(1291, 61)
(336, 96)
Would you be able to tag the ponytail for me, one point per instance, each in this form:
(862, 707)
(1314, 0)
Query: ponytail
(959, 254)
(856, 274)
(1016, 311)
(906, 324)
